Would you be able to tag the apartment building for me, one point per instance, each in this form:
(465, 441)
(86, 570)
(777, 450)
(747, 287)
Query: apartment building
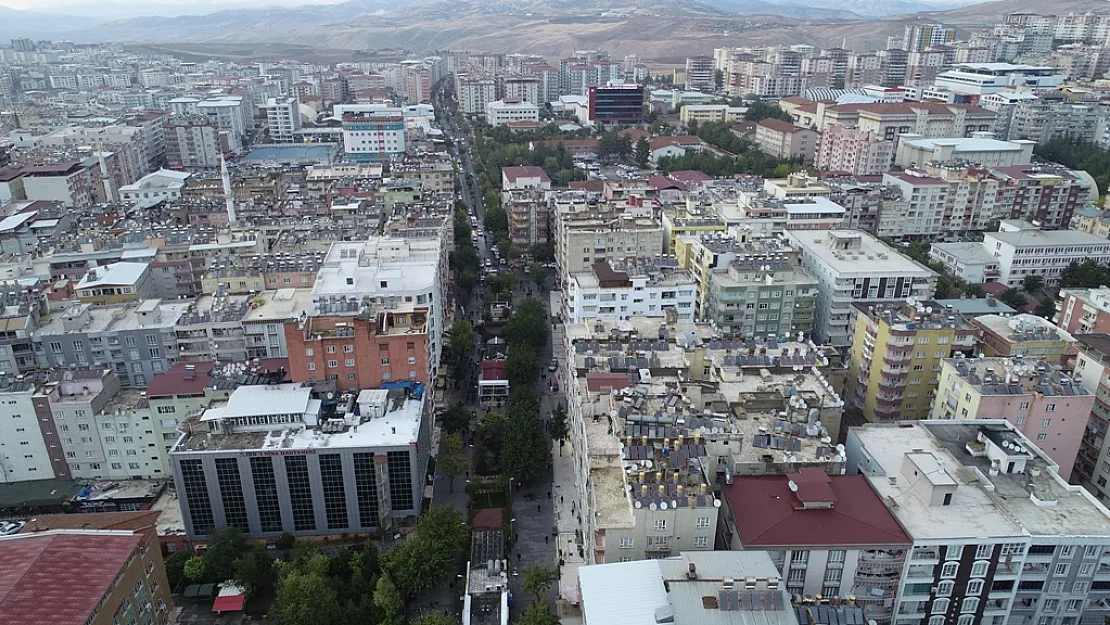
(32, 450)
(635, 287)
(127, 582)
(1092, 368)
(588, 231)
(762, 292)
(827, 535)
(1037, 397)
(916, 151)
(860, 153)
(700, 73)
(1092, 220)
(474, 93)
(851, 266)
(921, 37)
(999, 535)
(785, 140)
(1024, 336)
(381, 275)
(211, 328)
(115, 284)
(194, 142)
(507, 110)
(931, 120)
(897, 349)
(1039, 118)
(233, 115)
(1084, 311)
(283, 118)
(355, 466)
(1047, 194)
(373, 137)
(73, 183)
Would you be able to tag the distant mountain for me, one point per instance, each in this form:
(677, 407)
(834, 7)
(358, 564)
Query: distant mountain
(17, 23)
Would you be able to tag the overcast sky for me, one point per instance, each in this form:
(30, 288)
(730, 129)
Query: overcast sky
(148, 6)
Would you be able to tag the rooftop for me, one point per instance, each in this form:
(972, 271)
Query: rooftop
(115, 274)
(1023, 328)
(192, 378)
(58, 577)
(810, 508)
(1015, 376)
(1032, 500)
(856, 252)
(1038, 238)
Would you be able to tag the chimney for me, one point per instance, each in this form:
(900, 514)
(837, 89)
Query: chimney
(229, 197)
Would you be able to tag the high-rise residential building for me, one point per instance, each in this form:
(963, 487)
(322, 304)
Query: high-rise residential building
(853, 266)
(785, 140)
(232, 114)
(921, 37)
(1036, 396)
(194, 142)
(1024, 336)
(700, 73)
(1084, 311)
(616, 104)
(275, 459)
(474, 93)
(999, 535)
(584, 232)
(283, 118)
(1092, 367)
(858, 152)
(897, 349)
(374, 137)
(125, 584)
(524, 196)
(637, 287)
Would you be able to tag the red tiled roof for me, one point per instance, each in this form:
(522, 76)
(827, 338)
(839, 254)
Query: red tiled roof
(489, 519)
(229, 603)
(58, 579)
(92, 521)
(691, 175)
(779, 125)
(173, 381)
(494, 370)
(595, 185)
(635, 134)
(596, 382)
(526, 171)
(660, 182)
(524, 123)
(767, 513)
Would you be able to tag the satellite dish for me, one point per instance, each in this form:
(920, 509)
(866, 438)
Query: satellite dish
(653, 507)
(793, 486)
(639, 505)
(647, 463)
(929, 310)
(716, 503)
(674, 504)
(662, 505)
(627, 487)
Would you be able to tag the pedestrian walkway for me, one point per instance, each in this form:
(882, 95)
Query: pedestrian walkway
(571, 552)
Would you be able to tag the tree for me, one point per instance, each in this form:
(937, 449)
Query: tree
(642, 153)
(254, 572)
(1013, 298)
(718, 79)
(945, 287)
(759, 110)
(175, 568)
(538, 613)
(496, 220)
(426, 557)
(537, 579)
(436, 618)
(460, 348)
(1032, 283)
(452, 462)
(522, 365)
(559, 423)
(456, 419)
(389, 602)
(529, 324)
(305, 598)
(225, 545)
(974, 291)
(285, 541)
(692, 126)
(524, 453)
(1046, 308)
(538, 273)
(194, 568)
(1086, 274)
(499, 287)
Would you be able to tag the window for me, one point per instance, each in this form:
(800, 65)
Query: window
(1024, 405)
(349, 362)
(799, 557)
(84, 427)
(797, 576)
(1046, 422)
(311, 366)
(971, 604)
(1042, 436)
(1056, 588)
(1086, 570)
(1066, 551)
(940, 605)
(626, 543)
(660, 524)
(1074, 605)
(1050, 408)
(347, 349)
(1080, 588)
(385, 362)
(975, 587)
(966, 619)
(701, 541)
(1061, 569)
(836, 556)
(949, 569)
(832, 576)
(979, 569)
(703, 521)
(333, 364)
(1091, 551)
(944, 588)
(936, 620)
(330, 349)
(308, 352)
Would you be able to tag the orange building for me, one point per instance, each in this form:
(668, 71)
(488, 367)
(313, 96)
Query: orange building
(360, 351)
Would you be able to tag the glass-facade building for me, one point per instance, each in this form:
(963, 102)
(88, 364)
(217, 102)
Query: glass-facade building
(616, 104)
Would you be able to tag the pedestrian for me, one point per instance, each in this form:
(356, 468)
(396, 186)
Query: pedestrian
(518, 556)
(545, 540)
(561, 499)
(539, 507)
(549, 494)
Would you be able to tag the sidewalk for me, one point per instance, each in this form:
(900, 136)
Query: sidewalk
(570, 552)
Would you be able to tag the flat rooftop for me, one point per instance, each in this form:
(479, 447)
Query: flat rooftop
(1038, 238)
(115, 318)
(1023, 328)
(982, 507)
(855, 252)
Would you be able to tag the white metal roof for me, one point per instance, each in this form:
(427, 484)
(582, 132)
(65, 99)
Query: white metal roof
(270, 399)
(622, 593)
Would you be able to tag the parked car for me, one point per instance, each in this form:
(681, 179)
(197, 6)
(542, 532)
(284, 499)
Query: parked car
(553, 365)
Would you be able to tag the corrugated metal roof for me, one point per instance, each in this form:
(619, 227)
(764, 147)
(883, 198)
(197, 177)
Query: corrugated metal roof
(625, 593)
(248, 401)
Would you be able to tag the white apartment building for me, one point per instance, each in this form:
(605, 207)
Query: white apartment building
(474, 93)
(587, 232)
(648, 288)
(998, 535)
(523, 88)
(501, 112)
(851, 266)
(1023, 249)
(31, 448)
(859, 152)
(233, 114)
(389, 272)
(283, 118)
(164, 184)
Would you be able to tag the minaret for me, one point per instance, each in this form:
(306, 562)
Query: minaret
(229, 197)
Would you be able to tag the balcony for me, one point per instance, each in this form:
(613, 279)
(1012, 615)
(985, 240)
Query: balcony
(897, 359)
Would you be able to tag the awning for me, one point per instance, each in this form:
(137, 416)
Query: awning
(229, 603)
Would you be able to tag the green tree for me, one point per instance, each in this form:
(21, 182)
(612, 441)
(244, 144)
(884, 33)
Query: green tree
(538, 613)
(718, 79)
(538, 273)
(524, 453)
(1076, 154)
(559, 423)
(194, 568)
(225, 545)
(499, 287)
(692, 126)
(425, 558)
(175, 568)
(456, 419)
(522, 366)
(452, 462)
(1046, 308)
(285, 541)
(254, 572)
(305, 598)
(945, 288)
(1013, 298)
(759, 110)
(537, 580)
(436, 618)
(460, 348)
(1087, 274)
(389, 602)
(642, 152)
(1032, 283)
(975, 291)
(528, 323)
(496, 220)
